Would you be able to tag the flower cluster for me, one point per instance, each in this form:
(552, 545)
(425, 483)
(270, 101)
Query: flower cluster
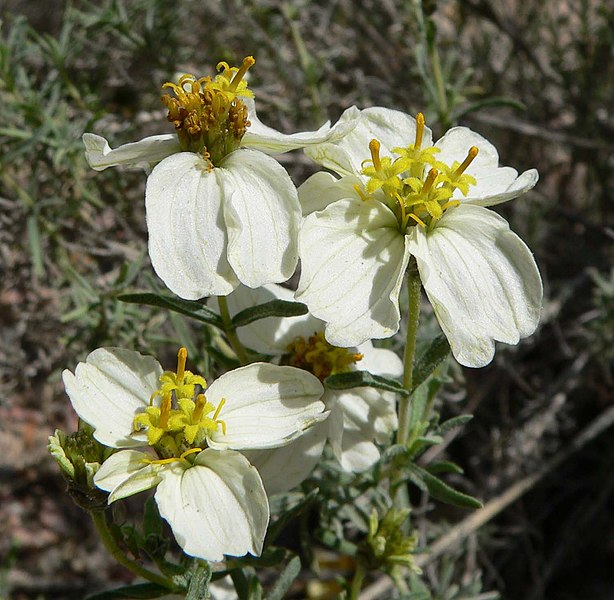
(225, 220)
(362, 228)
(220, 209)
(206, 489)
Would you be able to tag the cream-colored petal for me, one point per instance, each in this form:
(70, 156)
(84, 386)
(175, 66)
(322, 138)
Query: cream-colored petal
(481, 279)
(109, 389)
(270, 141)
(322, 189)
(353, 259)
(368, 415)
(267, 406)
(142, 154)
(118, 467)
(187, 233)
(282, 469)
(494, 184)
(391, 128)
(379, 361)
(262, 216)
(216, 507)
(138, 474)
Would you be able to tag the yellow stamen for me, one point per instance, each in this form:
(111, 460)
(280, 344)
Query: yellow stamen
(473, 152)
(191, 451)
(360, 192)
(248, 61)
(201, 402)
(450, 204)
(165, 411)
(182, 357)
(419, 130)
(374, 147)
(417, 220)
(168, 461)
(430, 179)
(219, 408)
(402, 208)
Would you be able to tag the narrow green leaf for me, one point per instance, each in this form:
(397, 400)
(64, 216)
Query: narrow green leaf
(199, 581)
(443, 492)
(191, 309)
(345, 381)
(274, 308)
(434, 355)
(285, 579)
(453, 423)
(414, 474)
(444, 466)
(139, 590)
(429, 440)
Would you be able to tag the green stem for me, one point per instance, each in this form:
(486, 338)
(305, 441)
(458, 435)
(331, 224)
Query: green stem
(231, 334)
(359, 576)
(116, 552)
(413, 315)
(442, 99)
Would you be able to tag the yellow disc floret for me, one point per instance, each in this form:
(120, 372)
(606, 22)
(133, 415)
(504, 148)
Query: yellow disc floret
(157, 420)
(416, 186)
(183, 383)
(319, 357)
(180, 422)
(208, 114)
(193, 420)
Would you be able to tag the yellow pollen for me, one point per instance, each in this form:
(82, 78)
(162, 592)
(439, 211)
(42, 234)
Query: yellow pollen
(419, 130)
(473, 152)
(374, 147)
(319, 357)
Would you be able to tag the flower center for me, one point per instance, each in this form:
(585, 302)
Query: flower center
(416, 186)
(319, 357)
(181, 420)
(208, 114)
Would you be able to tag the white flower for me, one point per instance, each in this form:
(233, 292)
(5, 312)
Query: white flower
(358, 418)
(428, 201)
(219, 210)
(210, 494)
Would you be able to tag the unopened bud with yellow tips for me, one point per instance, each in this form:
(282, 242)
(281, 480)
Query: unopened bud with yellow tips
(387, 546)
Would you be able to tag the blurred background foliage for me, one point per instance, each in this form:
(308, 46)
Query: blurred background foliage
(533, 76)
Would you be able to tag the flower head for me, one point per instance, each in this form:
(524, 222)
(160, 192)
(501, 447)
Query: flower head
(220, 210)
(399, 195)
(210, 494)
(359, 418)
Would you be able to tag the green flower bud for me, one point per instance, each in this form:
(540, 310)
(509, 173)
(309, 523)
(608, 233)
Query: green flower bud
(79, 456)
